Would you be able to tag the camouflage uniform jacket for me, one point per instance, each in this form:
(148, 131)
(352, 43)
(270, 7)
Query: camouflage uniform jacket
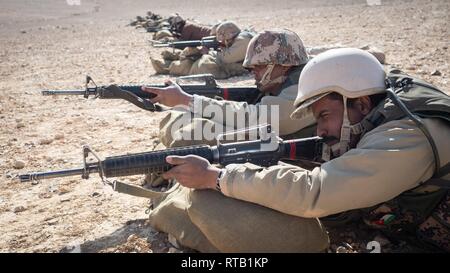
(192, 31)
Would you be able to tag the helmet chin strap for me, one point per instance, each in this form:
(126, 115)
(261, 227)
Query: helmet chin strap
(266, 78)
(347, 131)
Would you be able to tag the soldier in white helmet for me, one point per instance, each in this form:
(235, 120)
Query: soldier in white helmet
(183, 30)
(387, 157)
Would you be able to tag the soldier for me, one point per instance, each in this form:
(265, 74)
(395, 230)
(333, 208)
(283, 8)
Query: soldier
(275, 57)
(183, 30)
(383, 161)
(224, 63)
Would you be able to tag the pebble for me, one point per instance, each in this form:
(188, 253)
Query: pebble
(67, 199)
(436, 73)
(19, 209)
(59, 136)
(95, 194)
(20, 125)
(52, 222)
(45, 195)
(18, 164)
(63, 190)
(44, 141)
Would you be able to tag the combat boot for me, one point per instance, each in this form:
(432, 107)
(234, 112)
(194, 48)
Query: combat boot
(159, 66)
(170, 55)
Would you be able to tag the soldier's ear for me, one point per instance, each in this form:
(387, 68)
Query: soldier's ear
(363, 105)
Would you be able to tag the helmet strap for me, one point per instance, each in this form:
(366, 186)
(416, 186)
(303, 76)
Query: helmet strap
(345, 130)
(342, 146)
(266, 78)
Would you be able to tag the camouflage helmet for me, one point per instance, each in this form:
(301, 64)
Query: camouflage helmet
(175, 19)
(278, 47)
(227, 31)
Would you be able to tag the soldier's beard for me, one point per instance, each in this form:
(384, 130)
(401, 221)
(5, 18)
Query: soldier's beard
(333, 143)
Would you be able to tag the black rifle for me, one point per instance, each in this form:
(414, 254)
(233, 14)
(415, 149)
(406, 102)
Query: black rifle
(262, 152)
(135, 95)
(209, 42)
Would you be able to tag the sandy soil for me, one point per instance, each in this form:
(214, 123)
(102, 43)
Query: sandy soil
(49, 44)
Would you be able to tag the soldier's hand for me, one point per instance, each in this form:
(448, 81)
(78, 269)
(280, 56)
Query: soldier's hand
(192, 171)
(171, 96)
(204, 50)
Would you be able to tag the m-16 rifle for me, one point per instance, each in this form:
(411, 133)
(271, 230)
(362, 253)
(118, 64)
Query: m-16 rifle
(265, 151)
(135, 95)
(209, 42)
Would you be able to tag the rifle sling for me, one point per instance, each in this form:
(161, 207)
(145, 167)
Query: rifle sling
(137, 191)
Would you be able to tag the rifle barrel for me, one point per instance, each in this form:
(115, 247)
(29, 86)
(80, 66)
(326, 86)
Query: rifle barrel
(53, 174)
(63, 92)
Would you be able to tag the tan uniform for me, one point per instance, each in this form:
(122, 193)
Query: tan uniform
(224, 63)
(387, 161)
(170, 132)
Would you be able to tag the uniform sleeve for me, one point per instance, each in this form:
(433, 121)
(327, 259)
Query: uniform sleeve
(389, 160)
(193, 31)
(235, 53)
(274, 110)
(224, 111)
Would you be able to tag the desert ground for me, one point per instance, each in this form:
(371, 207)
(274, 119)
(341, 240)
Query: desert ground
(54, 44)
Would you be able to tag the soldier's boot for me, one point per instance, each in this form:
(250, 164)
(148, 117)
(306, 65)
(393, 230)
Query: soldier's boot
(162, 34)
(159, 66)
(170, 55)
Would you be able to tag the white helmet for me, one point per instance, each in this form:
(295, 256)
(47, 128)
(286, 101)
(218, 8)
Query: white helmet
(350, 72)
